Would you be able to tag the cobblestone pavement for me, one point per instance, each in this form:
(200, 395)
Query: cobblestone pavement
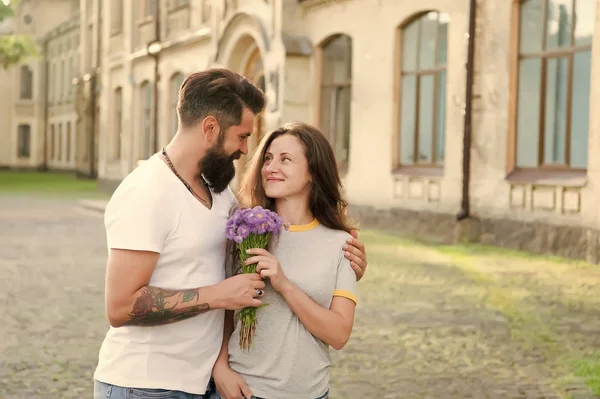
(433, 323)
(425, 327)
(52, 261)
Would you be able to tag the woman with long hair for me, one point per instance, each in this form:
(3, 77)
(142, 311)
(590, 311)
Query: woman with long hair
(310, 288)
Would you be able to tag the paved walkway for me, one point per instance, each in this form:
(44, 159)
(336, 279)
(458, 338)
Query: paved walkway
(93, 205)
(52, 259)
(423, 329)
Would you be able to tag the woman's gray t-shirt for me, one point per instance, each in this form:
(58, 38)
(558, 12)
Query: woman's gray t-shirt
(286, 361)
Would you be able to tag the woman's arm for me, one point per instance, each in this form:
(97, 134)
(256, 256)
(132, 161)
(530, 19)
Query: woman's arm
(229, 383)
(223, 358)
(333, 326)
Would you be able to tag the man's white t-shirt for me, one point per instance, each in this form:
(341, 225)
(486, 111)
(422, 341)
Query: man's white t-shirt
(152, 210)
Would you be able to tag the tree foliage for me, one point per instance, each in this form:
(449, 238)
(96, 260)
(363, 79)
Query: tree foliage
(14, 48)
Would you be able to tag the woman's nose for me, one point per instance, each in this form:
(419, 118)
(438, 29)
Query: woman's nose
(272, 166)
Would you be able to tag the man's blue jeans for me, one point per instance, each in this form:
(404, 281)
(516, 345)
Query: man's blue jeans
(108, 391)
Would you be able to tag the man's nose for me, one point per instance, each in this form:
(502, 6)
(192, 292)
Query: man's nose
(244, 147)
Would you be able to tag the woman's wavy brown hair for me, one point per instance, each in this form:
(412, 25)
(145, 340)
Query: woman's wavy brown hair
(326, 201)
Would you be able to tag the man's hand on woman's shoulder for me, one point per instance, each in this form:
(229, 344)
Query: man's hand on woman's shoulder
(355, 252)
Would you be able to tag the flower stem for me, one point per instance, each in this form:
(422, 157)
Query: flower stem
(247, 316)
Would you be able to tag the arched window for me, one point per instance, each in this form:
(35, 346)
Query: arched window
(26, 83)
(118, 124)
(116, 17)
(147, 129)
(68, 143)
(150, 8)
(336, 90)
(52, 147)
(422, 113)
(551, 121)
(254, 71)
(59, 144)
(24, 141)
(176, 81)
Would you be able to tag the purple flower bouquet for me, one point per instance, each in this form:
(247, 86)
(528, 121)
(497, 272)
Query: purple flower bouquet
(251, 228)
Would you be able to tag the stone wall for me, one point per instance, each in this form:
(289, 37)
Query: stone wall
(424, 226)
(537, 237)
(534, 237)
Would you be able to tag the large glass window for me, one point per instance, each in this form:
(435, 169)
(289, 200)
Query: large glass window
(336, 90)
(423, 90)
(146, 123)
(553, 82)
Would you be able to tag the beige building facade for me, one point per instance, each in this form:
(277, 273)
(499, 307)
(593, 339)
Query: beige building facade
(395, 85)
(37, 104)
(62, 46)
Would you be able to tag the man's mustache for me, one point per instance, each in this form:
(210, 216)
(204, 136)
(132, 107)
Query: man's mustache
(236, 155)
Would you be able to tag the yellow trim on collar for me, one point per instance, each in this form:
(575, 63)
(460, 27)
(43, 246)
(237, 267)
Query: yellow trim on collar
(304, 227)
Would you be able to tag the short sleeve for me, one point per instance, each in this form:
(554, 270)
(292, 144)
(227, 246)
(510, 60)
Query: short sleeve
(135, 219)
(345, 285)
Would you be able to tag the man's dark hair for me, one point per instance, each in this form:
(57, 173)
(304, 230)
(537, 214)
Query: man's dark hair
(217, 92)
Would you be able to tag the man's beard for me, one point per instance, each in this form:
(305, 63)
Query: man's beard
(218, 168)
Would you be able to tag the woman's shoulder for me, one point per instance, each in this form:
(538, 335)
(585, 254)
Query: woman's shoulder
(332, 235)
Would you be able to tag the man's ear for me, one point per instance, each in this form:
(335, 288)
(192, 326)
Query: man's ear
(210, 129)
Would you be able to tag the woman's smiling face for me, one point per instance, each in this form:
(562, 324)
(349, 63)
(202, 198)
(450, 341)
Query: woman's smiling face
(285, 169)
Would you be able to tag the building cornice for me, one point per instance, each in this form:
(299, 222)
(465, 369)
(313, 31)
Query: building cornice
(71, 24)
(183, 40)
(314, 4)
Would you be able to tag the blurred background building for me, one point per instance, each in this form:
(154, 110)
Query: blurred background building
(459, 119)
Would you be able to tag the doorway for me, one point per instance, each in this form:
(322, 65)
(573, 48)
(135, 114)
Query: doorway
(253, 70)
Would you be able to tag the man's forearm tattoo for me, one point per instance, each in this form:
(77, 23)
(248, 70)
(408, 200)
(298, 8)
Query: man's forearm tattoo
(155, 306)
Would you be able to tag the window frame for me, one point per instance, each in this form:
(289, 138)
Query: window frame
(25, 82)
(417, 168)
(59, 137)
(20, 153)
(52, 143)
(542, 170)
(150, 8)
(173, 99)
(68, 135)
(117, 123)
(320, 85)
(116, 17)
(147, 137)
(174, 5)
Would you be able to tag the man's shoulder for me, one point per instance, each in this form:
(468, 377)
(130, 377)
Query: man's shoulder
(143, 183)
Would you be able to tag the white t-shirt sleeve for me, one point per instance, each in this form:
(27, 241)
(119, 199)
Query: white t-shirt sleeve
(135, 219)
